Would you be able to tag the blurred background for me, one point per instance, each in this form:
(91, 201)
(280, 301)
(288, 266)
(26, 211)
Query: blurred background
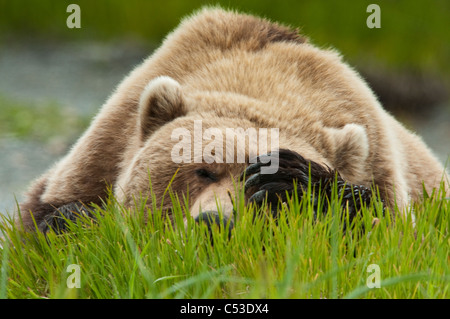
(53, 79)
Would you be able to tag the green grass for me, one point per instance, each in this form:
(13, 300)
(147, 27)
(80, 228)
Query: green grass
(125, 255)
(39, 122)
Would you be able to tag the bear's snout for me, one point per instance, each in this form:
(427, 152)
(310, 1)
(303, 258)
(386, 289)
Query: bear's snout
(211, 218)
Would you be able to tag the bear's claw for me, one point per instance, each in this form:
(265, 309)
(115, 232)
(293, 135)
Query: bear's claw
(275, 188)
(57, 221)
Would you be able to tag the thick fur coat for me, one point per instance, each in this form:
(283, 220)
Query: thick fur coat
(233, 70)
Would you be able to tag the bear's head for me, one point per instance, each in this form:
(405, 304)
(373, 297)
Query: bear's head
(182, 143)
(200, 143)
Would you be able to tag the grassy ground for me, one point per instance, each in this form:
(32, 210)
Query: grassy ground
(39, 123)
(123, 256)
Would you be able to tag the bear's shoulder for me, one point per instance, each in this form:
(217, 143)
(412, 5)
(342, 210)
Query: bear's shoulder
(225, 29)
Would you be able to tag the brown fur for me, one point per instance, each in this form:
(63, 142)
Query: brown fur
(233, 70)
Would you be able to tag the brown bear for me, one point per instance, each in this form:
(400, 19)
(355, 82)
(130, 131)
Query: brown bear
(228, 71)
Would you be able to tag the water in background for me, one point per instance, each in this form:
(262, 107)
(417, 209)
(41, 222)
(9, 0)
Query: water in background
(77, 76)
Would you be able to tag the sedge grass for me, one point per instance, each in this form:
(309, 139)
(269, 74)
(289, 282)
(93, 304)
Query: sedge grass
(141, 253)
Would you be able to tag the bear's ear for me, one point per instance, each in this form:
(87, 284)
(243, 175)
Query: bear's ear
(161, 102)
(350, 150)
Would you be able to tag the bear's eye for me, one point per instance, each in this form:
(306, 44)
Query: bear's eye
(205, 174)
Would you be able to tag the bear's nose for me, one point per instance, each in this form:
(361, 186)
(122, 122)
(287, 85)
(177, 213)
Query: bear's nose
(212, 217)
